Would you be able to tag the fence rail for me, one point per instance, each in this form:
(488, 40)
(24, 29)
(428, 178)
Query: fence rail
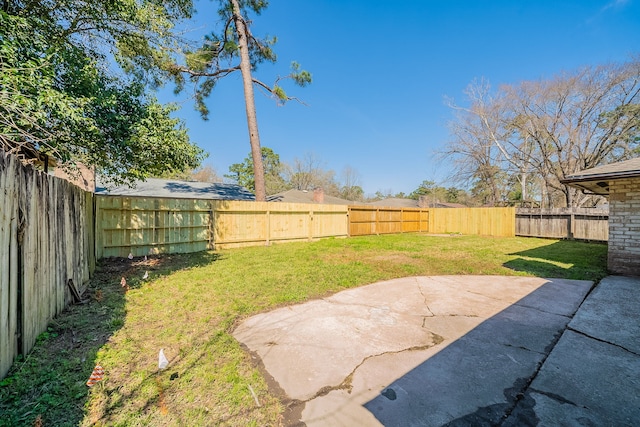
(563, 223)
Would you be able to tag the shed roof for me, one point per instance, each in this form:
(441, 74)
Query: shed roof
(170, 188)
(596, 180)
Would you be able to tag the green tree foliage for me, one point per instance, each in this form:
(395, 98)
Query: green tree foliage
(60, 95)
(205, 173)
(425, 188)
(242, 173)
(429, 192)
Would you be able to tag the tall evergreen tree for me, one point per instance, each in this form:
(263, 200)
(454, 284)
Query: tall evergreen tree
(236, 49)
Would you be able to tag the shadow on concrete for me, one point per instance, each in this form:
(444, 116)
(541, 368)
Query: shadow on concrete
(480, 377)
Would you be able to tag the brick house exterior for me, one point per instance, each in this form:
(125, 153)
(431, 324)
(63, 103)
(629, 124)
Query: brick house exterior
(621, 182)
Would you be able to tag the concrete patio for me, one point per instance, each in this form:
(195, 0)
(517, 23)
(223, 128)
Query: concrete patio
(456, 350)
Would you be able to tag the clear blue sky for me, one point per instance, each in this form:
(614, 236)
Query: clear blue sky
(382, 68)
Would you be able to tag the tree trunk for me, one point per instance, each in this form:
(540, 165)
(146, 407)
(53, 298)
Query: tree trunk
(252, 120)
(523, 185)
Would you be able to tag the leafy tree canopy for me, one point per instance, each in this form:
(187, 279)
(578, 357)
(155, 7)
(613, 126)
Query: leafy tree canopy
(60, 95)
(242, 173)
(425, 188)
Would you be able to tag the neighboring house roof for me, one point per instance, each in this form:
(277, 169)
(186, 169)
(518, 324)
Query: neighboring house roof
(447, 205)
(302, 196)
(596, 180)
(170, 188)
(395, 202)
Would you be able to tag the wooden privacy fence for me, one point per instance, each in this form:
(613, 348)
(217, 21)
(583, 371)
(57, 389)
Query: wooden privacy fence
(499, 222)
(365, 220)
(563, 223)
(141, 226)
(147, 225)
(250, 223)
(47, 252)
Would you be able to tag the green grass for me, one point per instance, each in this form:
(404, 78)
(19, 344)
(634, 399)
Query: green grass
(190, 305)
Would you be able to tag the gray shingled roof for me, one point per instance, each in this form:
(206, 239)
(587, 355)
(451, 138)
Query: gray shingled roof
(395, 202)
(170, 188)
(596, 180)
(300, 196)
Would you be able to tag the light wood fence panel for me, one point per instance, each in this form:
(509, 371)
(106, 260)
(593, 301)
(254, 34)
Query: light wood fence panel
(147, 225)
(499, 222)
(367, 220)
(47, 249)
(563, 223)
(241, 223)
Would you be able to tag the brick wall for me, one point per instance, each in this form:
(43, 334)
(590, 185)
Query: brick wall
(624, 226)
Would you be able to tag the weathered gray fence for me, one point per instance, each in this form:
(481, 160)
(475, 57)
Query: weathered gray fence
(47, 252)
(563, 223)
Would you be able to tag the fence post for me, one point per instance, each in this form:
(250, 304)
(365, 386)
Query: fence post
(572, 223)
(211, 244)
(268, 227)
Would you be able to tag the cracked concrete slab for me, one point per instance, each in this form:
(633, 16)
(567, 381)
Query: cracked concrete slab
(420, 350)
(583, 382)
(611, 313)
(591, 377)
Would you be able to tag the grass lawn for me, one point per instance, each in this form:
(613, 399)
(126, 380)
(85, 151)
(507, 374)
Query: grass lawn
(189, 305)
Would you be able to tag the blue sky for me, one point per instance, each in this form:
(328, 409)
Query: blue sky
(381, 70)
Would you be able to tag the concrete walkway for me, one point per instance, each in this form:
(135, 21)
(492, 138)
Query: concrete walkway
(456, 350)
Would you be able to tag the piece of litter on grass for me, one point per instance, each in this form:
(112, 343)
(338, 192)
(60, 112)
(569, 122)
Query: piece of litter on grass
(162, 360)
(123, 283)
(96, 375)
(130, 255)
(146, 275)
(253, 393)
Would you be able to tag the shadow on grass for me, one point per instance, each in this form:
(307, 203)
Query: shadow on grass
(48, 386)
(567, 259)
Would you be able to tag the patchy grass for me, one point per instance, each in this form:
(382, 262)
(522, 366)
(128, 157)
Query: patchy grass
(190, 304)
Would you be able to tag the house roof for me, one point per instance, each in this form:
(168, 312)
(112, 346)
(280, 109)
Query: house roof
(302, 196)
(395, 202)
(170, 188)
(596, 180)
(447, 205)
